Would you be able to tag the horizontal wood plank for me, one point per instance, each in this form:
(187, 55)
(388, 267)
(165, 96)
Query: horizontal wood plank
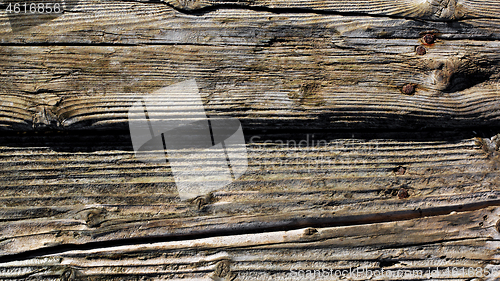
(420, 249)
(280, 86)
(346, 169)
(430, 10)
(342, 71)
(133, 23)
(82, 196)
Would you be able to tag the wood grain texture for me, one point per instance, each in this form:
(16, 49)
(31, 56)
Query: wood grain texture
(463, 240)
(276, 86)
(345, 169)
(79, 197)
(445, 10)
(289, 70)
(131, 23)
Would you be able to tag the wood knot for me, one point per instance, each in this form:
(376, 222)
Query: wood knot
(44, 117)
(400, 170)
(188, 5)
(491, 148)
(445, 9)
(69, 274)
(459, 73)
(93, 217)
(200, 201)
(309, 94)
(310, 231)
(222, 271)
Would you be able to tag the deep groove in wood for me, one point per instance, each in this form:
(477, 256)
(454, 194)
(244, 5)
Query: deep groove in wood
(276, 226)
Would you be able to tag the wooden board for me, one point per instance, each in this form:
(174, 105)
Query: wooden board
(346, 170)
(456, 246)
(289, 88)
(340, 72)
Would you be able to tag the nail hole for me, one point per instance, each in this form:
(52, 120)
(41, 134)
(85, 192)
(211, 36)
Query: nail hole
(222, 269)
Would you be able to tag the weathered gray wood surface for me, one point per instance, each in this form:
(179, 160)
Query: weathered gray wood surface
(312, 70)
(458, 240)
(404, 181)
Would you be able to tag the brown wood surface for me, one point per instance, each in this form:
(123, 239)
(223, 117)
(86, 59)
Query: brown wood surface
(388, 180)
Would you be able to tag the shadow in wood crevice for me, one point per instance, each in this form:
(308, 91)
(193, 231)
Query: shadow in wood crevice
(350, 117)
(120, 140)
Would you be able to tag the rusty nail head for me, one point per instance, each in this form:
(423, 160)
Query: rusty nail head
(420, 50)
(402, 193)
(409, 89)
(429, 38)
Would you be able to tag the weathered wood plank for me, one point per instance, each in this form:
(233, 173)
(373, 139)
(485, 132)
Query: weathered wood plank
(315, 79)
(431, 10)
(85, 197)
(400, 176)
(436, 10)
(319, 87)
(448, 242)
(115, 22)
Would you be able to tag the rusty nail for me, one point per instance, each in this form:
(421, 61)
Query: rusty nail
(429, 38)
(409, 89)
(420, 50)
(402, 193)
